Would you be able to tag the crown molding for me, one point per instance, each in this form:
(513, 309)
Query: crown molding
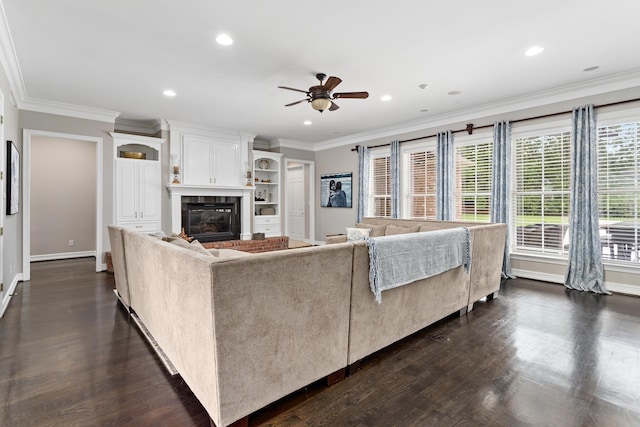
(592, 87)
(199, 129)
(9, 61)
(149, 127)
(70, 110)
(289, 143)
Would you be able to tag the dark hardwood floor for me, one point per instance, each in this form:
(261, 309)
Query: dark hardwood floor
(537, 356)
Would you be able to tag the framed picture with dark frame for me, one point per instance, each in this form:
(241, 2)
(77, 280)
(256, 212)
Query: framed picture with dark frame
(336, 190)
(13, 179)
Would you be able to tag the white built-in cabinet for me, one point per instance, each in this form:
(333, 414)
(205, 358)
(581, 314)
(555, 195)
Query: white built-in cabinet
(210, 162)
(267, 205)
(138, 182)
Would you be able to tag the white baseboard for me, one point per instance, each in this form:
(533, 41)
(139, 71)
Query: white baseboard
(536, 275)
(9, 293)
(64, 255)
(621, 288)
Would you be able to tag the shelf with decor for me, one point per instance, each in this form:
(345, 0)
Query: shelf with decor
(267, 205)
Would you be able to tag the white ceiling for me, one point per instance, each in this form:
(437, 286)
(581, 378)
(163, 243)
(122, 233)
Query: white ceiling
(120, 55)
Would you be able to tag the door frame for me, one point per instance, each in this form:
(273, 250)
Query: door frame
(26, 194)
(309, 190)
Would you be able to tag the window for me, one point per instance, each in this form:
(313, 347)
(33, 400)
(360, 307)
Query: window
(542, 192)
(619, 190)
(380, 186)
(473, 182)
(421, 194)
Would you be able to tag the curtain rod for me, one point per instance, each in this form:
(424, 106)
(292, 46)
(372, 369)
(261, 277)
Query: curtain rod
(470, 127)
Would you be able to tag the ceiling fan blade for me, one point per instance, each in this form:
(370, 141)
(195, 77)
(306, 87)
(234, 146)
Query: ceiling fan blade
(290, 88)
(331, 83)
(334, 106)
(359, 95)
(297, 102)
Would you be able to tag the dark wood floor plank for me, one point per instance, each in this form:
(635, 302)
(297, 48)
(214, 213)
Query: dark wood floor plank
(537, 355)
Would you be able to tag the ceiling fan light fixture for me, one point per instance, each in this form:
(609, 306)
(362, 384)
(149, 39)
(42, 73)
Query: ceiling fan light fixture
(321, 104)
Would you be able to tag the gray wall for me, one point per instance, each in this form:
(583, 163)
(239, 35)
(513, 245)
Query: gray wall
(334, 220)
(295, 154)
(63, 195)
(12, 238)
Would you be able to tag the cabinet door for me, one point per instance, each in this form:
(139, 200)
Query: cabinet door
(196, 161)
(150, 192)
(126, 190)
(225, 163)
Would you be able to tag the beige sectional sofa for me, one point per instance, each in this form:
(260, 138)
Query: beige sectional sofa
(407, 309)
(244, 330)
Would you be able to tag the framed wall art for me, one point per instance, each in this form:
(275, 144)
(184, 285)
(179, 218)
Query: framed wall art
(335, 190)
(13, 179)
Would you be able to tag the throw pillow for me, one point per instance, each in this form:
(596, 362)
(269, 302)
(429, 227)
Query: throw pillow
(376, 230)
(357, 233)
(395, 229)
(197, 246)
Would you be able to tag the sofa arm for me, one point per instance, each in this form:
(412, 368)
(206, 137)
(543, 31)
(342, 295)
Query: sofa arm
(335, 238)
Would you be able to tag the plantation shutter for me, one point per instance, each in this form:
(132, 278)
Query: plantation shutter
(619, 190)
(473, 182)
(421, 196)
(380, 171)
(542, 192)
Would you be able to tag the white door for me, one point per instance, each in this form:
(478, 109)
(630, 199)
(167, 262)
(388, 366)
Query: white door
(295, 197)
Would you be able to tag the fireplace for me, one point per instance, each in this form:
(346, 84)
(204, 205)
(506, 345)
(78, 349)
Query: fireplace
(211, 219)
(241, 197)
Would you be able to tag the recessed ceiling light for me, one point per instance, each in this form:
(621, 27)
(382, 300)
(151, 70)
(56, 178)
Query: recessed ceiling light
(534, 50)
(385, 98)
(307, 122)
(424, 111)
(454, 92)
(595, 67)
(224, 40)
(423, 86)
(170, 93)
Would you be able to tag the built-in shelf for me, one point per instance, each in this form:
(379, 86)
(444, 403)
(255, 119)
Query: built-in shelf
(267, 204)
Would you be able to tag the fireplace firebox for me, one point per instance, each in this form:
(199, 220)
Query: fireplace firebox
(212, 221)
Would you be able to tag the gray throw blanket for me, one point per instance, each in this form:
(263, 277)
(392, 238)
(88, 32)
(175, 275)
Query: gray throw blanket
(404, 258)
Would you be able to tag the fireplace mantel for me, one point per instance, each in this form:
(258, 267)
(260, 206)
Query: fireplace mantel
(176, 191)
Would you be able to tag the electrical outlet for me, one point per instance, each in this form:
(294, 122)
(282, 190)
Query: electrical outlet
(71, 243)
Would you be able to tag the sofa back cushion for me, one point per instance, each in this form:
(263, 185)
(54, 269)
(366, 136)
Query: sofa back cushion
(392, 230)
(376, 230)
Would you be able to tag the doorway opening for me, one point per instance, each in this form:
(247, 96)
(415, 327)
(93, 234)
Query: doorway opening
(300, 200)
(74, 209)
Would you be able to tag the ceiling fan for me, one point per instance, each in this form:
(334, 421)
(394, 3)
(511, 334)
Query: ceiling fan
(321, 96)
